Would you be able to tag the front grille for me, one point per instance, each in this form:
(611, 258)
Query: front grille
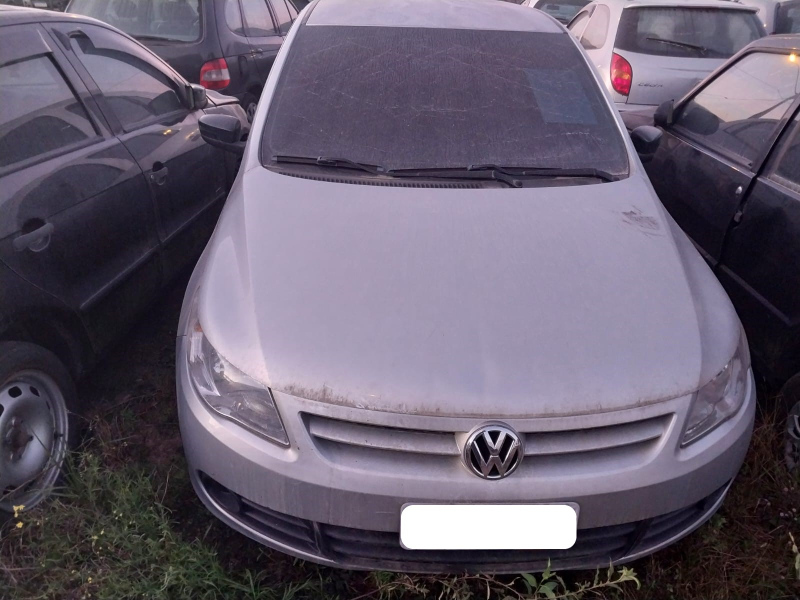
(360, 548)
(573, 451)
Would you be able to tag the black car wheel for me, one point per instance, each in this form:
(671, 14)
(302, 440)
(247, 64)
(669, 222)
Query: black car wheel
(790, 400)
(37, 423)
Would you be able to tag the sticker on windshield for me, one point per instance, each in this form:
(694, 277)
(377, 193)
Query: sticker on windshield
(560, 96)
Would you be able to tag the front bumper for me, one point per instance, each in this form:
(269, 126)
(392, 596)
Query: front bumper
(332, 502)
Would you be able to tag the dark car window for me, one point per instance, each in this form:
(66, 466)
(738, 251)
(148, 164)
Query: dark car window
(596, 32)
(788, 169)
(40, 114)
(739, 110)
(563, 10)
(176, 20)
(429, 98)
(282, 16)
(136, 91)
(788, 17)
(233, 16)
(687, 31)
(258, 21)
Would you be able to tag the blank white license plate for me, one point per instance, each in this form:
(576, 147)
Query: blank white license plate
(488, 526)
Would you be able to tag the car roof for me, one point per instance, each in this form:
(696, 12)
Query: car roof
(788, 42)
(16, 15)
(723, 4)
(435, 14)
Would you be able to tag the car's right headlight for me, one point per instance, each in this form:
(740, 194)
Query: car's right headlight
(228, 391)
(720, 398)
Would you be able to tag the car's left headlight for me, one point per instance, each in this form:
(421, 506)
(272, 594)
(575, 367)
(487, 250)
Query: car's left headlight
(720, 398)
(230, 392)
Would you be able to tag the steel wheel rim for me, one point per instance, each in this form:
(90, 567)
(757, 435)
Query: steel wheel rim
(33, 438)
(251, 111)
(792, 438)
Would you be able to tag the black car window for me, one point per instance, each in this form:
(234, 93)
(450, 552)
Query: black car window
(233, 16)
(594, 36)
(788, 169)
(292, 9)
(136, 91)
(410, 98)
(172, 20)
(687, 31)
(258, 21)
(40, 113)
(282, 16)
(788, 17)
(738, 111)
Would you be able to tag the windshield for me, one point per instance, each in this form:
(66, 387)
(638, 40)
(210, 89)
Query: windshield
(170, 20)
(687, 32)
(416, 98)
(563, 10)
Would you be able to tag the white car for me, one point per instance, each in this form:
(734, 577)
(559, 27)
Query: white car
(444, 322)
(649, 51)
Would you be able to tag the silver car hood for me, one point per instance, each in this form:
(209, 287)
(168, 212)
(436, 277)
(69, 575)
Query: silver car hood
(493, 302)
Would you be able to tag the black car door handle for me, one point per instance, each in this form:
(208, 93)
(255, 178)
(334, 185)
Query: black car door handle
(36, 240)
(257, 51)
(159, 173)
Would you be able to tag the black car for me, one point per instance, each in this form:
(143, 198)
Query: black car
(224, 45)
(728, 171)
(107, 191)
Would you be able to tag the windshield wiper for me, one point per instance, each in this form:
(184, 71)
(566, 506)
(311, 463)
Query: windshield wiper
(457, 173)
(158, 38)
(701, 49)
(327, 161)
(548, 171)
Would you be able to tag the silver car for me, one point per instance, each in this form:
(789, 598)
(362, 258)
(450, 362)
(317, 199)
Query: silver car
(444, 323)
(649, 51)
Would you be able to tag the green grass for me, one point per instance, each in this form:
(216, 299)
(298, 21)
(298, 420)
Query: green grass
(128, 525)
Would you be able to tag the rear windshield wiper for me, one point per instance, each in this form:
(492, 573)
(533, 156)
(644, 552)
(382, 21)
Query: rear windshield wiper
(701, 49)
(327, 161)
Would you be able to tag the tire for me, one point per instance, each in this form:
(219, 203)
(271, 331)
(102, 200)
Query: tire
(249, 104)
(38, 423)
(789, 409)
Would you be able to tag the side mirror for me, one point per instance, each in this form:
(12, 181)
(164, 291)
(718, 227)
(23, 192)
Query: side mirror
(198, 96)
(222, 131)
(646, 140)
(663, 114)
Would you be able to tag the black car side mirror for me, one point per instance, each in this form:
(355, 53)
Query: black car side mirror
(199, 98)
(646, 140)
(663, 114)
(222, 131)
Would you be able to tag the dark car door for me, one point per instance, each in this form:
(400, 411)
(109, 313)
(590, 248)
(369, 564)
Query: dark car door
(264, 36)
(76, 215)
(141, 98)
(760, 265)
(709, 157)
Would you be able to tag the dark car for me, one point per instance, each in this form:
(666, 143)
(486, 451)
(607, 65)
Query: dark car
(224, 45)
(728, 170)
(107, 191)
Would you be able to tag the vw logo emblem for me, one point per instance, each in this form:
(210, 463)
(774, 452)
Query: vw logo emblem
(493, 451)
